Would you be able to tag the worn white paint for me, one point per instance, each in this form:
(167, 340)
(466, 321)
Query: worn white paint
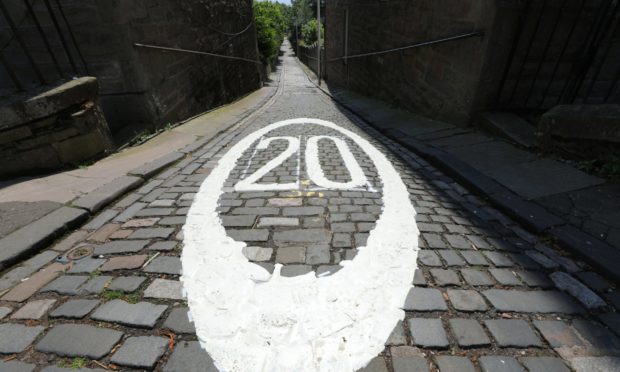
(249, 183)
(249, 320)
(315, 171)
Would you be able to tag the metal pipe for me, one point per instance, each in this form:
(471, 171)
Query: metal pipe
(45, 41)
(318, 50)
(60, 35)
(19, 39)
(413, 46)
(140, 45)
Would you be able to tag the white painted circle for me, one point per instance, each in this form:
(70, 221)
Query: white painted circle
(249, 320)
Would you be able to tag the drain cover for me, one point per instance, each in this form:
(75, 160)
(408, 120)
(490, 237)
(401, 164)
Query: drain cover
(80, 252)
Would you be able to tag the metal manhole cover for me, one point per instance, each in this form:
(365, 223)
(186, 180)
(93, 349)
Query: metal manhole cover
(80, 252)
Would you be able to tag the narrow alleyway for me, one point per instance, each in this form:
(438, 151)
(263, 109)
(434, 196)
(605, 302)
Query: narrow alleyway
(321, 206)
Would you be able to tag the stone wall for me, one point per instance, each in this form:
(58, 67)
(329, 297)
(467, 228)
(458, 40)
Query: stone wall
(453, 81)
(58, 127)
(439, 81)
(146, 87)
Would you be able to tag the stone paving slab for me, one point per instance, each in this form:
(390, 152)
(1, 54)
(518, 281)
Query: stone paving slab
(23, 213)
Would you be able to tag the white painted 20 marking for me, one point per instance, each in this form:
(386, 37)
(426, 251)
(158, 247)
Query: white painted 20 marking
(314, 169)
(249, 320)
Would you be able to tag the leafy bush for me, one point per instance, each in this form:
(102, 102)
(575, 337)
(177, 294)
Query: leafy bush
(271, 27)
(309, 33)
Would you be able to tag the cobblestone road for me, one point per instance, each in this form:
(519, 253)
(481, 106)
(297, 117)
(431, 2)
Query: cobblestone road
(487, 295)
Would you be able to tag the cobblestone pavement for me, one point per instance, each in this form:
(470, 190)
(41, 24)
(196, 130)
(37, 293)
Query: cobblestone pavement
(487, 296)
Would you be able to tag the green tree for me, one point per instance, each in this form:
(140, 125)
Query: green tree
(309, 32)
(301, 13)
(271, 28)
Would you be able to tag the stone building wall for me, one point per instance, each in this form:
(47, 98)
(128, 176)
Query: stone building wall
(454, 80)
(438, 81)
(146, 87)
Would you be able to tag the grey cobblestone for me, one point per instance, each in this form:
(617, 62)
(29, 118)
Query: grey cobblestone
(78, 340)
(121, 246)
(448, 363)
(466, 300)
(498, 259)
(558, 333)
(33, 310)
(474, 258)
(428, 333)
(164, 289)
(500, 364)
(445, 277)
(451, 258)
(425, 299)
(571, 285)
(178, 321)
(429, 258)
(15, 338)
(16, 366)
(469, 333)
(532, 301)
(476, 277)
(544, 364)
(512, 333)
(164, 265)
(408, 359)
(505, 276)
(142, 314)
(126, 283)
(140, 352)
(249, 235)
(66, 284)
(74, 309)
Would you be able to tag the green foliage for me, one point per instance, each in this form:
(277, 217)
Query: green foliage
(271, 27)
(609, 167)
(309, 32)
(77, 363)
(109, 295)
(301, 13)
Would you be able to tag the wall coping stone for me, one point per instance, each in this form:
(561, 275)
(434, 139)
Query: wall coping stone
(48, 102)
